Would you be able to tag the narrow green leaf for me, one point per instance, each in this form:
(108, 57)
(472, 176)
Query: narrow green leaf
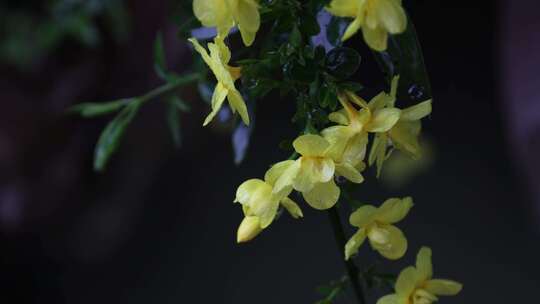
(93, 109)
(160, 64)
(173, 120)
(110, 137)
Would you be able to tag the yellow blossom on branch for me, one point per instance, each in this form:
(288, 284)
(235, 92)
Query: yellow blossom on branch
(376, 225)
(224, 14)
(416, 286)
(376, 18)
(260, 204)
(218, 62)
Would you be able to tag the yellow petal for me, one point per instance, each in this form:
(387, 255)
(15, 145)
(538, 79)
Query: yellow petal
(248, 229)
(199, 49)
(378, 102)
(355, 152)
(394, 210)
(362, 216)
(248, 18)
(349, 172)
(383, 120)
(443, 287)
(388, 240)
(378, 148)
(338, 137)
(257, 196)
(404, 137)
(220, 92)
(389, 299)
(237, 103)
(423, 264)
(204, 10)
(307, 176)
(292, 207)
(247, 189)
(224, 51)
(323, 195)
(276, 171)
(287, 178)
(311, 145)
(352, 29)
(343, 8)
(376, 39)
(416, 112)
(406, 282)
(393, 91)
(392, 16)
(339, 117)
(352, 245)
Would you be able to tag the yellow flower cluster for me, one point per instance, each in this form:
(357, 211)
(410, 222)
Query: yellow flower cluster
(340, 150)
(376, 18)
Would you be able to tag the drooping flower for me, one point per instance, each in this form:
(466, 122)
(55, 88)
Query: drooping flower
(416, 286)
(260, 204)
(224, 14)
(376, 225)
(404, 134)
(218, 62)
(376, 18)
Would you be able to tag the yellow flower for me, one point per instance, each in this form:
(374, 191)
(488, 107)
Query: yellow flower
(404, 134)
(224, 14)
(376, 224)
(218, 61)
(377, 18)
(349, 139)
(312, 173)
(260, 204)
(416, 286)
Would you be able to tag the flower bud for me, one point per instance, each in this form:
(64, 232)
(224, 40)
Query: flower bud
(248, 229)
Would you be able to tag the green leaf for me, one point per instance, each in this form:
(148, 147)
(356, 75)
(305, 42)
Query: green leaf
(335, 29)
(404, 57)
(93, 109)
(160, 64)
(110, 137)
(173, 120)
(342, 62)
(296, 37)
(350, 86)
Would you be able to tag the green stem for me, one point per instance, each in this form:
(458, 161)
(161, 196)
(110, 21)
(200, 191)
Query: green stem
(352, 270)
(169, 87)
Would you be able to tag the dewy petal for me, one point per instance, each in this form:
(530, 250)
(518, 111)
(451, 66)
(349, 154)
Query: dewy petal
(362, 216)
(323, 195)
(383, 120)
(443, 287)
(352, 29)
(355, 152)
(349, 172)
(237, 103)
(343, 8)
(311, 145)
(388, 240)
(307, 176)
(292, 207)
(248, 229)
(326, 168)
(389, 299)
(352, 245)
(394, 210)
(417, 111)
(406, 282)
(287, 178)
(220, 92)
(376, 39)
(391, 15)
(423, 264)
(276, 171)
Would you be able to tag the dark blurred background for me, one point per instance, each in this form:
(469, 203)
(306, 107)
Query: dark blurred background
(159, 225)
